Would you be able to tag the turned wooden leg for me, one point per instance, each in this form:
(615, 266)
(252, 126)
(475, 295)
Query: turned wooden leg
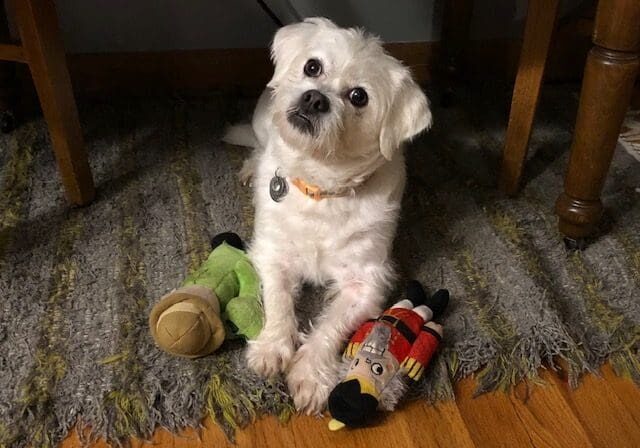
(42, 44)
(611, 69)
(541, 18)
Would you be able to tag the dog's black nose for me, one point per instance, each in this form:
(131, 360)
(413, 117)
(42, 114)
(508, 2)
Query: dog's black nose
(314, 102)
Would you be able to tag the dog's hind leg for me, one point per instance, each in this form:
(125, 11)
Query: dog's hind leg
(241, 135)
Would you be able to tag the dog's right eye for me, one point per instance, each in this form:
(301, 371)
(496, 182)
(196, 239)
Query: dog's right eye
(358, 97)
(313, 68)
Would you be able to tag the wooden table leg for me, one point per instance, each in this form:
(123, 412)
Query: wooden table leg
(611, 69)
(541, 18)
(42, 43)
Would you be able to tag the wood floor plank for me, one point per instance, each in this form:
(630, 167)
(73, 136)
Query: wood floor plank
(416, 424)
(490, 418)
(627, 391)
(212, 435)
(420, 425)
(312, 432)
(529, 415)
(545, 412)
(602, 412)
(188, 438)
(268, 432)
(161, 438)
(394, 428)
(438, 425)
(605, 407)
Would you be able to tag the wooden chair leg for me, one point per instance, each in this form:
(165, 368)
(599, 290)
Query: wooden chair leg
(44, 51)
(610, 72)
(541, 18)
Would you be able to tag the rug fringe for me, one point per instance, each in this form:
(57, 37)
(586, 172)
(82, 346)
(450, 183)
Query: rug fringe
(130, 413)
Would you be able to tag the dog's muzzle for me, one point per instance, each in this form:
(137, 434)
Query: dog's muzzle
(312, 104)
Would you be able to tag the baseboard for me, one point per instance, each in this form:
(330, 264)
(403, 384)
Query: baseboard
(249, 69)
(158, 72)
(202, 70)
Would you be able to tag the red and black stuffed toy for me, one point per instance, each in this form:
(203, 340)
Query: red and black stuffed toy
(383, 354)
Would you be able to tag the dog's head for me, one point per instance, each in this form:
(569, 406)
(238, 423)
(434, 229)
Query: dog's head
(336, 93)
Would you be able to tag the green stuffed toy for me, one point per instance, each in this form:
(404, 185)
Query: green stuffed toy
(221, 299)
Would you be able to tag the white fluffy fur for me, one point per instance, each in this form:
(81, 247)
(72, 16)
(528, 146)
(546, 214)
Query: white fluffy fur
(342, 243)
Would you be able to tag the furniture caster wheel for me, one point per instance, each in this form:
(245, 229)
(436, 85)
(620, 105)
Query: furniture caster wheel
(572, 244)
(7, 122)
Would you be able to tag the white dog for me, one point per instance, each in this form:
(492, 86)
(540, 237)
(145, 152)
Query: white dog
(328, 172)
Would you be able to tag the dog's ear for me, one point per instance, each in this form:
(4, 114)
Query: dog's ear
(289, 41)
(283, 52)
(408, 116)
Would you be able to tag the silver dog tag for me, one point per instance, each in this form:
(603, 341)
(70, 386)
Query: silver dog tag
(278, 188)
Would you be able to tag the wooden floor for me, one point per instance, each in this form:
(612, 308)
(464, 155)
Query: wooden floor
(602, 412)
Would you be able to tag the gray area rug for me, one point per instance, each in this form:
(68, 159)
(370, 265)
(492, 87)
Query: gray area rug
(630, 133)
(77, 284)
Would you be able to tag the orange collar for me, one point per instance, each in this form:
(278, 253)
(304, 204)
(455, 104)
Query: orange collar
(314, 192)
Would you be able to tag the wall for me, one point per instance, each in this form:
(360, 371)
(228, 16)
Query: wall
(153, 25)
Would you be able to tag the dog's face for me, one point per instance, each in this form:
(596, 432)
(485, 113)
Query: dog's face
(336, 93)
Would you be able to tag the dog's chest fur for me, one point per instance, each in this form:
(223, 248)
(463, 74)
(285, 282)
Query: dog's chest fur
(324, 240)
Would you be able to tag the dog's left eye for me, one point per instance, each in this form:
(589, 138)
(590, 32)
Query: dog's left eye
(313, 68)
(358, 97)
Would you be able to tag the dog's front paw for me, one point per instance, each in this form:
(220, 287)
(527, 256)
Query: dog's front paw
(269, 355)
(310, 380)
